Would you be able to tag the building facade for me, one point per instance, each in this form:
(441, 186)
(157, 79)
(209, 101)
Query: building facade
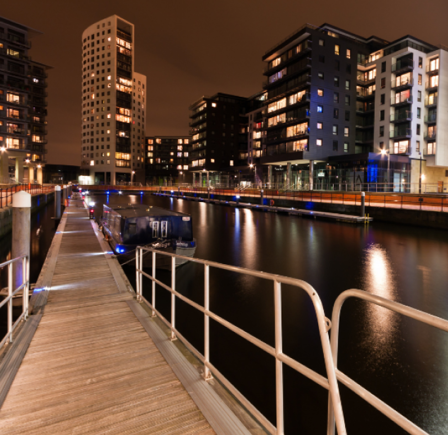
(23, 106)
(343, 110)
(218, 128)
(167, 160)
(113, 105)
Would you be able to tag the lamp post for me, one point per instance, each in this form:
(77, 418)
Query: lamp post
(384, 152)
(420, 177)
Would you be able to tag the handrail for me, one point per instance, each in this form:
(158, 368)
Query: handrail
(25, 286)
(7, 193)
(418, 315)
(324, 325)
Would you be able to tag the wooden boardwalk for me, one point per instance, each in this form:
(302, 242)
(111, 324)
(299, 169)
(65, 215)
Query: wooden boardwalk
(91, 367)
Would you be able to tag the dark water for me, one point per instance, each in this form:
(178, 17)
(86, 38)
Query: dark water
(403, 362)
(38, 249)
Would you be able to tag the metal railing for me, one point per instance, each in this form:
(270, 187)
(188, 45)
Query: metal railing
(25, 287)
(324, 325)
(381, 406)
(6, 193)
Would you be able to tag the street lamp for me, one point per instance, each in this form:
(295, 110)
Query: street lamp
(384, 152)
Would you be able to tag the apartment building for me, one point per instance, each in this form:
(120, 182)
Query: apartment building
(113, 105)
(218, 129)
(167, 160)
(23, 106)
(342, 109)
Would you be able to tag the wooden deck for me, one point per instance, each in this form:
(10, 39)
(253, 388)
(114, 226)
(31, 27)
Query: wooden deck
(91, 367)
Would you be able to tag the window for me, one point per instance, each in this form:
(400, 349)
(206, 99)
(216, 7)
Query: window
(336, 50)
(319, 126)
(419, 113)
(418, 129)
(381, 130)
(434, 64)
(335, 145)
(383, 66)
(336, 97)
(320, 75)
(419, 79)
(231, 163)
(417, 146)
(383, 98)
(345, 147)
(337, 65)
(420, 62)
(382, 115)
(348, 68)
(419, 96)
(335, 113)
(321, 59)
(348, 53)
(383, 83)
(335, 130)
(381, 145)
(319, 142)
(346, 131)
(321, 42)
(347, 115)
(347, 100)
(320, 92)
(347, 85)
(320, 109)
(336, 81)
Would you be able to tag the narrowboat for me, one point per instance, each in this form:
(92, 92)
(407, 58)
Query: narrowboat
(129, 226)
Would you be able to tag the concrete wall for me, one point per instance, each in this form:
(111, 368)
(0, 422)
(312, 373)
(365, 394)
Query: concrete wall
(37, 202)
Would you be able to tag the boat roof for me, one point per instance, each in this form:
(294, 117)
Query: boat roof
(140, 210)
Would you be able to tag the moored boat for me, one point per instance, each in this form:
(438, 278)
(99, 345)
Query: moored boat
(129, 226)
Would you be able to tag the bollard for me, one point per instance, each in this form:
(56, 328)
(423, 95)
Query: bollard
(21, 232)
(57, 202)
(363, 204)
(64, 195)
(261, 196)
(208, 193)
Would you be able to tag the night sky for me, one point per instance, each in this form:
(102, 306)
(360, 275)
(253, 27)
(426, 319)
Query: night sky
(188, 49)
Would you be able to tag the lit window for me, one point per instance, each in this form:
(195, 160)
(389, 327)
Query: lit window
(336, 50)
(109, 77)
(179, 141)
(213, 104)
(231, 162)
(320, 109)
(92, 162)
(108, 115)
(320, 92)
(346, 131)
(213, 161)
(319, 126)
(319, 142)
(348, 53)
(185, 167)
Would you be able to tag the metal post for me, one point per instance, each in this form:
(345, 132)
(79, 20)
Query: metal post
(363, 204)
(261, 197)
(420, 178)
(21, 233)
(311, 174)
(140, 257)
(10, 275)
(153, 314)
(207, 374)
(173, 298)
(388, 169)
(57, 202)
(26, 280)
(278, 351)
(137, 277)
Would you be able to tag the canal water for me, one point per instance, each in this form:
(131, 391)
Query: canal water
(40, 243)
(401, 361)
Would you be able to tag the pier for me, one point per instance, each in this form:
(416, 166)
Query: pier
(89, 363)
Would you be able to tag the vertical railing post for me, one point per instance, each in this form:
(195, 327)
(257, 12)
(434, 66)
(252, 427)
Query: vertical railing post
(173, 298)
(153, 300)
(207, 374)
(278, 363)
(140, 284)
(25, 280)
(137, 278)
(10, 302)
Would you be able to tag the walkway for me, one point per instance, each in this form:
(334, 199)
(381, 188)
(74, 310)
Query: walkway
(91, 367)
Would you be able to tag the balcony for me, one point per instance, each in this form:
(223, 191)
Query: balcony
(431, 135)
(365, 107)
(400, 100)
(397, 85)
(433, 70)
(290, 74)
(429, 85)
(361, 80)
(401, 116)
(18, 40)
(431, 118)
(430, 101)
(398, 134)
(15, 131)
(268, 70)
(364, 93)
(430, 149)
(402, 66)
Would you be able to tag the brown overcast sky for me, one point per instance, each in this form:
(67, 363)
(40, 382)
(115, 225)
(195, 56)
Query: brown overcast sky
(198, 47)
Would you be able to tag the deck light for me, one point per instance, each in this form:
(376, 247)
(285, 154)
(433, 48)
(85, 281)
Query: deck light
(2, 149)
(120, 192)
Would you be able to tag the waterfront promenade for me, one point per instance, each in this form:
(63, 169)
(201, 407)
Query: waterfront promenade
(91, 366)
